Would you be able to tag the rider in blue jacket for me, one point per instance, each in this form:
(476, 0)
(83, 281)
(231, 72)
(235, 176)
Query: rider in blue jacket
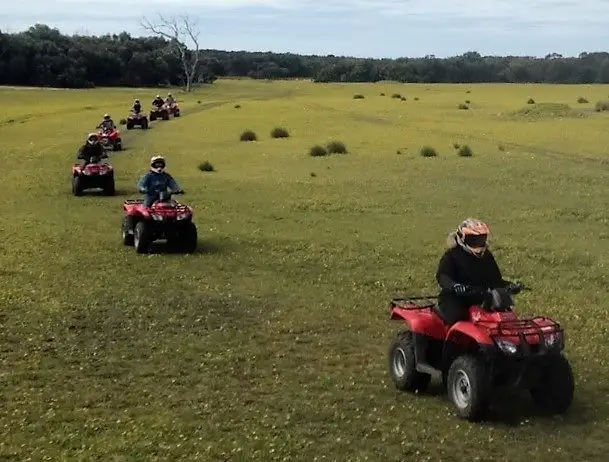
(157, 180)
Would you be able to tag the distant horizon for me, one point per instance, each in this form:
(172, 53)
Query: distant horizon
(366, 29)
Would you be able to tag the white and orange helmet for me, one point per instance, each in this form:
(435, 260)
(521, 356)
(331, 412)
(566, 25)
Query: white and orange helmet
(472, 236)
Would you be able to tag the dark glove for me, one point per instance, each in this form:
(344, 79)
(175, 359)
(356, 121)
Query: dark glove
(460, 289)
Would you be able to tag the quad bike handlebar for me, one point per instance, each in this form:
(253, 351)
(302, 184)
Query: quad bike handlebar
(512, 289)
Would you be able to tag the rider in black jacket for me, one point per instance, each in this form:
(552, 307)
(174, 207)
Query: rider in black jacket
(467, 263)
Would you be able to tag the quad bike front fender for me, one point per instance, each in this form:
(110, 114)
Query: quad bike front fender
(465, 333)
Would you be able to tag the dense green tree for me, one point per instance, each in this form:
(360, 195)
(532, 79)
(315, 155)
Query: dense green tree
(42, 56)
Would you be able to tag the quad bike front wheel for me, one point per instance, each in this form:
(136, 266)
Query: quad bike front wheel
(141, 237)
(469, 386)
(189, 238)
(127, 232)
(77, 186)
(402, 365)
(554, 391)
(109, 187)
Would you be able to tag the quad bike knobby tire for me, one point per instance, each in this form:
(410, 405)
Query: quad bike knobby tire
(189, 238)
(554, 391)
(127, 235)
(129, 125)
(118, 146)
(469, 386)
(402, 365)
(141, 237)
(77, 188)
(109, 187)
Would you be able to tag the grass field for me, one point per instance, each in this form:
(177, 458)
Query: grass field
(270, 342)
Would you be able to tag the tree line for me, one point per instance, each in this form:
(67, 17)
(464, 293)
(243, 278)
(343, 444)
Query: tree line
(42, 56)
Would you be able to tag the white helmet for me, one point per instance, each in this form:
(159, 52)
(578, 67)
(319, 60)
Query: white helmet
(157, 163)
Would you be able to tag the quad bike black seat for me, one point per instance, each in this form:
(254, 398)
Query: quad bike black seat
(436, 307)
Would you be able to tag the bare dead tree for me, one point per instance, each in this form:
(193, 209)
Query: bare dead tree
(178, 30)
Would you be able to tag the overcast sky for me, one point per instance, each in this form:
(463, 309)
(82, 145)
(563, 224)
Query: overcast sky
(369, 28)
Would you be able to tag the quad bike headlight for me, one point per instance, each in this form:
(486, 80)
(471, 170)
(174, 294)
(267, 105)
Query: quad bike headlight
(507, 347)
(182, 216)
(552, 340)
(157, 217)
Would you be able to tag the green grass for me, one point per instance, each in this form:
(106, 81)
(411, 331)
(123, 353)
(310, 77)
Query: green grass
(270, 343)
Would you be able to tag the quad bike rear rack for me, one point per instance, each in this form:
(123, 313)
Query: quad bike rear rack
(413, 303)
(133, 201)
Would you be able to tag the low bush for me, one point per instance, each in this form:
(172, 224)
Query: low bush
(318, 151)
(279, 132)
(428, 151)
(248, 135)
(206, 166)
(336, 147)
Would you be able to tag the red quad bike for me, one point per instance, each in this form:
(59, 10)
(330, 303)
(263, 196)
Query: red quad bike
(165, 219)
(93, 175)
(111, 139)
(494, 348)
(137, 120)
(159, 112)
(173, 109)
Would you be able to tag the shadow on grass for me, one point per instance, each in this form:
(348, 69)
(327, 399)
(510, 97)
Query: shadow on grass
(100, 193)
(204, 247)
(513, 407)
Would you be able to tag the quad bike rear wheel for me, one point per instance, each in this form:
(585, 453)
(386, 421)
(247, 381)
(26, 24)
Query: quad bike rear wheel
(141, 237)
(469, 386)
(402, 365)
(554, 391)
(118, 145)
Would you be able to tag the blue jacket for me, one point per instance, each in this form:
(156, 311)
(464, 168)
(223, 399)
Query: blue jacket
(152, 183)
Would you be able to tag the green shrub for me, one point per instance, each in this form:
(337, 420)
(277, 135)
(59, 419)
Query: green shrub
(279, 132)
(530, 101)
(396, 96)
(206, 166)
(336, 147)
(601, 106)
(122, 122)
(358, 96)
(403, 98)
(318, 151)
(248, 135)
(237, 106)
(582, 100)
(463, 106)
(382, 94)
(416, 98)
(428, 151)
(456, 145)
(465, 151)
(468, 101)
(501, 147)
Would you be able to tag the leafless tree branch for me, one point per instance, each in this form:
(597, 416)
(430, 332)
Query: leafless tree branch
(178, 29)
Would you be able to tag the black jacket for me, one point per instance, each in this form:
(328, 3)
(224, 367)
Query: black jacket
(158, 102)
(87, 151)
(137, 108)
(460, 267)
